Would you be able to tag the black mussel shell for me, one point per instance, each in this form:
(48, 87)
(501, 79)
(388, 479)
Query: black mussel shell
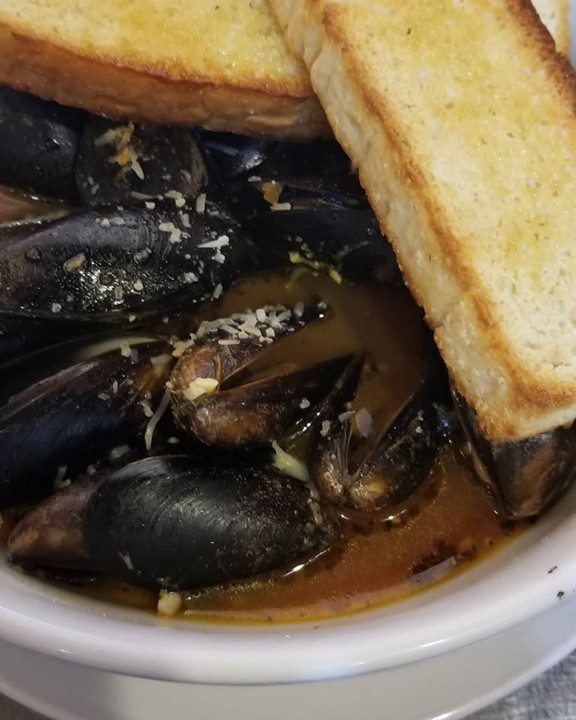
(69, 420)
(20, 336)
(60, 353)
(402, 459)
(38, 145)
(345, 241)
(260, 410)
(379, 470)
(227, 346)
(209, 523)
(229, 156)
(249, 409)
(112, 265)
(206, 522)
(322, 159)
(124, 164)
(524, 477)
(248, 175)
(310, 175)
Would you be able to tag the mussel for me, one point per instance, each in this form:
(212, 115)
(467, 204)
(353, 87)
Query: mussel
(176, 522)
(378, 472)
(63, 154)
(61, 424)
(216, 399)
(524, 477)
(125, 164)
(38, 145)
(107, 265)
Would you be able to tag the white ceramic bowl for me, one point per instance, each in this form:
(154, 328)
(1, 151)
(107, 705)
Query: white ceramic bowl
(517, 583)
(235, 669)
(534, 573)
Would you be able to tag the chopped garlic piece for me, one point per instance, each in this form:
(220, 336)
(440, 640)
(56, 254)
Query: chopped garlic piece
(75, 262)
(363, 421)
(200, 386)
(169, 603)
(180, 347)
(289, 464)
(201, 203)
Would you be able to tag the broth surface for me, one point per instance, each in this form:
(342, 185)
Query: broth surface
(447, 524)
(450, 522)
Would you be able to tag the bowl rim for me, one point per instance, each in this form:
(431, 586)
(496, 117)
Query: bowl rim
(534, 572)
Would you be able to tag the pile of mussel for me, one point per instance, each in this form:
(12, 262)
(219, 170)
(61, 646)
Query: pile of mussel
(157, 456)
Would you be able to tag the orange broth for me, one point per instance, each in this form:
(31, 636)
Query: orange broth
(449, 523)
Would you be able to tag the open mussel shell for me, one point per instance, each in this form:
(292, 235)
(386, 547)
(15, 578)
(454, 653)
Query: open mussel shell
(207, 523)
(29, 368)
(248, 175)
(231, 160)
(226, 346)
(230, 156)
(262, 409)
(117, 264)
(124, 164)
(319, 170)
(526, 476)
(59, 425)
(388, 466)
(213, 394)
(20, 336)
(401, 460)
(38, 145)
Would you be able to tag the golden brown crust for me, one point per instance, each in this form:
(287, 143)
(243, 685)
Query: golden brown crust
(99, 87)
(562, 33)
(257, 97)
(556, 17)
(533, 393)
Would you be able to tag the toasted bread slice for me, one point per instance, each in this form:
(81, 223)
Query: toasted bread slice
(223, 64)
(461, 118)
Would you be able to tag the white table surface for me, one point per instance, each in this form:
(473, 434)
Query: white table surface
(551, 696)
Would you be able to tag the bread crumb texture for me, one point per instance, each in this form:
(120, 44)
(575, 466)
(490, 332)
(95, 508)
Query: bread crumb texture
(460, 116)
(210, 41)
